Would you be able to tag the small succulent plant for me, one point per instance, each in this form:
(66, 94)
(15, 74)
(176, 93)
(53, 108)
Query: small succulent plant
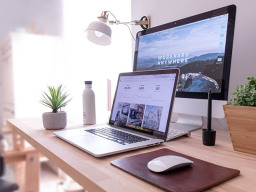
(55, 99)
(245, 95)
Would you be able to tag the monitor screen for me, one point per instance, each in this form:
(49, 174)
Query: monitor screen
(200, 46)
(143, 102)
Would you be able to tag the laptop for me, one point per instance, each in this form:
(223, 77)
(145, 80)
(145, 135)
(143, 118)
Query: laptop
(139, 117)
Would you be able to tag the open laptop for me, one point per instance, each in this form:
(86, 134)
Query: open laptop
(139, 117)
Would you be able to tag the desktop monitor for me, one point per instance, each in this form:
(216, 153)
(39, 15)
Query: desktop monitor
(201, 47)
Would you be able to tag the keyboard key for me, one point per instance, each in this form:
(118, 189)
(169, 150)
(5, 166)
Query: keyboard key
(175, 133)
(116, 135)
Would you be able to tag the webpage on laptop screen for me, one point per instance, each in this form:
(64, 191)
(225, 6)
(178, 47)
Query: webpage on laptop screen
(143, 102)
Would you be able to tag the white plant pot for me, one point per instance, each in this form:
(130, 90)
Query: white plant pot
(54, 120)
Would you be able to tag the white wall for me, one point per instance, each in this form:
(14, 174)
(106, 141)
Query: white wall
(41, 16)
(243, 57)
(37, 16)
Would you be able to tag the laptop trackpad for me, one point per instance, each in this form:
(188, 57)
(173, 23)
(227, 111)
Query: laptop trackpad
(95, 144)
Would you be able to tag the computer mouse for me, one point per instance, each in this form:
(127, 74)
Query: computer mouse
(168, 163)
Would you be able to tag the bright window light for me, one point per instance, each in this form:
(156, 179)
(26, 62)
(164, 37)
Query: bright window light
(87, 61)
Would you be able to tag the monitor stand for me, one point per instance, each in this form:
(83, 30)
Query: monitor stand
(187, 123)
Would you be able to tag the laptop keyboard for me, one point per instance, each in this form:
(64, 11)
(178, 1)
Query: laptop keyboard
(175, 134)
(116, 135)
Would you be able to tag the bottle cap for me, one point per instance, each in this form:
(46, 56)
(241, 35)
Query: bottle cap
(88, 82)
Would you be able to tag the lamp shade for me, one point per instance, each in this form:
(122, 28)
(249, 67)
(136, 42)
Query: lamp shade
(99, 32)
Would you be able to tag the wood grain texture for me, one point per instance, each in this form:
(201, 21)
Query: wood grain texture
(242, 125)
(96, 174)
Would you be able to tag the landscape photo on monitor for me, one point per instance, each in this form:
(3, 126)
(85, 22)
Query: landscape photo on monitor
(197, 49)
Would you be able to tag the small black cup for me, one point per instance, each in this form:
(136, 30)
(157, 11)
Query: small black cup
(209, 137)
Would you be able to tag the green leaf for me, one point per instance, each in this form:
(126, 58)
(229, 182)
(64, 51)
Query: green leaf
(245, 95)
(55, 99)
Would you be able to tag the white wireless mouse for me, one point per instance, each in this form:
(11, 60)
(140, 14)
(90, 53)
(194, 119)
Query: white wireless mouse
(168, 163)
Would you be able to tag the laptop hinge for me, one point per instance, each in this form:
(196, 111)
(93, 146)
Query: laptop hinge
(134, 132)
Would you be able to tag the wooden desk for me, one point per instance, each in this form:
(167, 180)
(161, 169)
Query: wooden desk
(24, 159)
(96, 174)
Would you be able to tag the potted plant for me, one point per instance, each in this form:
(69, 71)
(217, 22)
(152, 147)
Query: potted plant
(241, 117)
(56, 99)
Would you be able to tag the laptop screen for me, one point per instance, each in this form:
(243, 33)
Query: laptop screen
(143, 101)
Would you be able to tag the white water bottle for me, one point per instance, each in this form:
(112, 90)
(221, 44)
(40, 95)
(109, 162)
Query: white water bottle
(89, 112)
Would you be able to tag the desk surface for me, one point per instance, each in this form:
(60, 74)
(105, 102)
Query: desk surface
(96, 174)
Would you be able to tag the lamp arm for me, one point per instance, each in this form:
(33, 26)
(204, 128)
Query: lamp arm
(126, 24)
(144, 22)
(136, 22)
(112, 15)
(117, 22)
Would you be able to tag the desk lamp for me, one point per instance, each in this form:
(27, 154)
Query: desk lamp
(99, 32)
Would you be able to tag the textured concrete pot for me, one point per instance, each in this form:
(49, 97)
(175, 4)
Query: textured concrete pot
(54, 120)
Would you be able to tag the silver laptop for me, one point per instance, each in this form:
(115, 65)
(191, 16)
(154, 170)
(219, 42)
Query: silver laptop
(139, 117)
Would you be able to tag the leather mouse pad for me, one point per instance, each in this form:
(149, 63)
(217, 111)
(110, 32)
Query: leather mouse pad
(198, 177)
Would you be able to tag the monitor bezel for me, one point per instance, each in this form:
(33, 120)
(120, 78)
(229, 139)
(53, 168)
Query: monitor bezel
(154, 133)
(231, 10)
